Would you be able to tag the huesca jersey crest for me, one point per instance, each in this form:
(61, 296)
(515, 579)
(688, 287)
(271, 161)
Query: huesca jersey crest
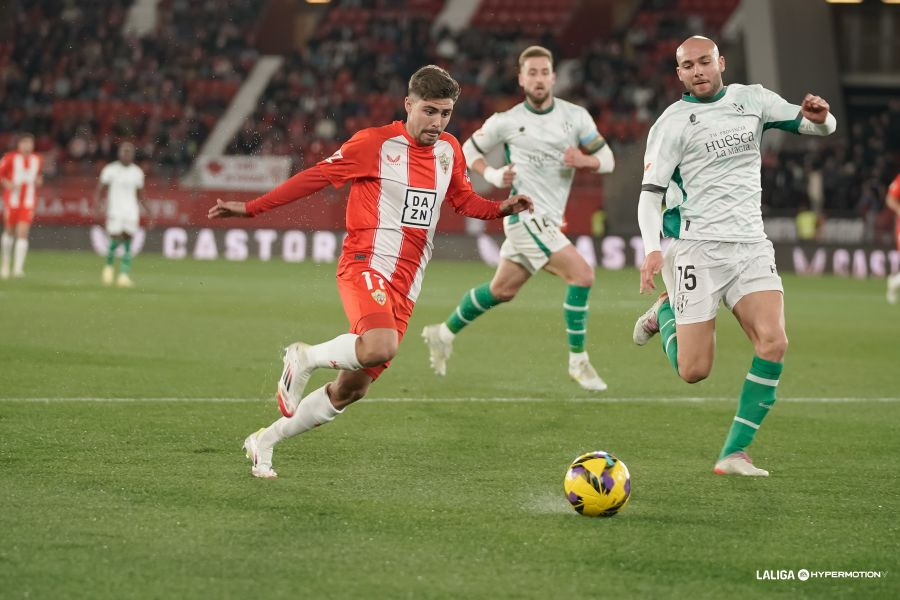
(379, 296)
(444, 159)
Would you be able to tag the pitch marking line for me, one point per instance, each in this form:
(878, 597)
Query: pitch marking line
(462, 400)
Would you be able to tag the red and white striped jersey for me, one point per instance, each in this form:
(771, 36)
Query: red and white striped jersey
(23, 171)
(398, 188)
(894, 192)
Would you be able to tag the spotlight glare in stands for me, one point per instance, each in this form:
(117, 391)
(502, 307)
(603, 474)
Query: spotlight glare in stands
(318, 1)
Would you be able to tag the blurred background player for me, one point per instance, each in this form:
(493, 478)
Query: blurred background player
(892, 200)
(400, 175)
(20, 175)
(124, 182)
(546, 139)
(708, 143)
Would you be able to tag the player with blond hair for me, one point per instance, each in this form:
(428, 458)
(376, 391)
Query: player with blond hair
(546, 140)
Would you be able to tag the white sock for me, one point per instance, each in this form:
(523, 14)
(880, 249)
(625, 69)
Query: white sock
(339, 353)
(6, 246)
(314, 410)
(575, 357)
(445, 334)
(21, 252)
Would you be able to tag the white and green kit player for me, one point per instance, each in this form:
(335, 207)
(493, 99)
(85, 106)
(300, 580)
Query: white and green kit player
(124, 182)
(705, 149)
(546, 139)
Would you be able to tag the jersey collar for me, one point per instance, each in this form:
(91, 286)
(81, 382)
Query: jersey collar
(689, 98)
(539, 111)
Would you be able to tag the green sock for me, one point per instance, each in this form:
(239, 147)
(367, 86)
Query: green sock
(575, 311)
(474, 303)
(111, 253)
(666, 319)
(126, 257)
(757, 397)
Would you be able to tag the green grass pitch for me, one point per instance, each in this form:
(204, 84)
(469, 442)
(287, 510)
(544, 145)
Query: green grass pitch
(430, 488)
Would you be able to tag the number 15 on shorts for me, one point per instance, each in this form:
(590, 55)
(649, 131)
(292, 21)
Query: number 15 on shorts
(687, 279)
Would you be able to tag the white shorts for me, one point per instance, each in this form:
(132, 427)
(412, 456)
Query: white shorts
(530, 240)
(699, 273)
(117, 224)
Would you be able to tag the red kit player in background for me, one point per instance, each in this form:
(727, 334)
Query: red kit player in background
(893, 202)
(20, 176)
(400, 176)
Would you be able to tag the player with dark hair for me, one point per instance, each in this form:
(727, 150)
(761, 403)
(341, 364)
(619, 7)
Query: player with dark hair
(400, 176)
(20, 176)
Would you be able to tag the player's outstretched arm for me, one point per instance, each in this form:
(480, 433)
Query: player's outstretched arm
(299, 186)
(231, 208)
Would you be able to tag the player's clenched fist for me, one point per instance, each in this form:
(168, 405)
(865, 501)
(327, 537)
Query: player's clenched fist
(814, 108)
(224, 209)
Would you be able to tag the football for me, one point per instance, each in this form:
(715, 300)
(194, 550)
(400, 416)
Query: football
(597, 484)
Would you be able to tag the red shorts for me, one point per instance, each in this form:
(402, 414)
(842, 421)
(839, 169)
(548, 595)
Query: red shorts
(14, 216)
(371, 303)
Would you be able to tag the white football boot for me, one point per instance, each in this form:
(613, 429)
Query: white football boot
(738, 463)
(108, 275)
(294, 377)
(647, 324)
(124, 281)
(439, 350)
(891, 293)
(261, 459)
(582, 371)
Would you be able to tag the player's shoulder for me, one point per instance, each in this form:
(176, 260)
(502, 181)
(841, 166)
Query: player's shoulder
(378, 134)
(450, 139)
(671, 115)
(512, 114)
(752, 91)
(568, 106)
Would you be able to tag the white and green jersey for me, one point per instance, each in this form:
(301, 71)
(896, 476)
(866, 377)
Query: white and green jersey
(535, 140)
(708, 151)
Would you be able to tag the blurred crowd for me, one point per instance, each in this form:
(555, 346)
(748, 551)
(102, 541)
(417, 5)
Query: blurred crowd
(839, 177)
(73, 76)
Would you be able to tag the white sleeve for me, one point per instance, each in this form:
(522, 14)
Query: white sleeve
(606, 158)
(106, 175)
(471, 153)
(650, 219)
(807, 127)
(489, 135)
(662, 157)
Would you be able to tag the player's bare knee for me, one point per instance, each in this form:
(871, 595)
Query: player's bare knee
(372, 355)
(773, 348)
(693, 373)
(503, 294)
